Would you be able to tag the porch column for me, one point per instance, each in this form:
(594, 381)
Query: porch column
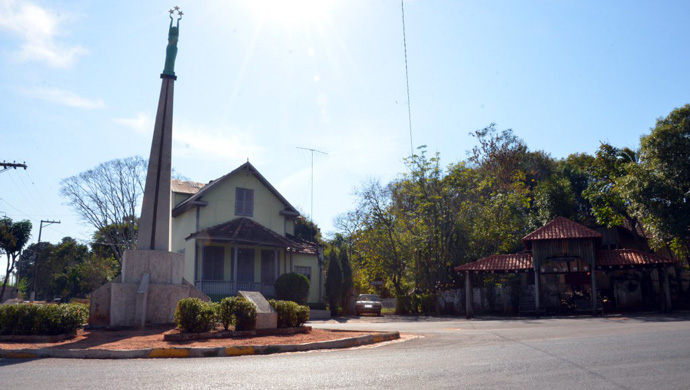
(201, 263)
(537, 304)
(594, 291)
(468, 295)
(277, 264)
(667, 289)
(234, 266)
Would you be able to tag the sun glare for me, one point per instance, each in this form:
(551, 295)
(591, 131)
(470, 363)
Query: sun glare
(292, 11)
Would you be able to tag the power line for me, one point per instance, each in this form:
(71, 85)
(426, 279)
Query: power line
(407, 77)
(311, 212)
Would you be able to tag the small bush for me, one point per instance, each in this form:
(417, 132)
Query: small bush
(423, 304)
(290, 314)
(226, 311)
(245, 314)
(302, 315)
(292, 287)
(195, 316)
(49, 319)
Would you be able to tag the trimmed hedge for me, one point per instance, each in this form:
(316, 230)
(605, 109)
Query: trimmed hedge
(290, 314)
(226, 311)
(292, 287)
(42, 319)
(245, 314)
(193, 315)
(196, 316)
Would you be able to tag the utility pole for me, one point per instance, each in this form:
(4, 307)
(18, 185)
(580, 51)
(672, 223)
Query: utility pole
(6, 165)
(38, 244)
(311, 212)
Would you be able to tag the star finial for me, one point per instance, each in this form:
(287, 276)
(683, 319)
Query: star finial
(174, 10)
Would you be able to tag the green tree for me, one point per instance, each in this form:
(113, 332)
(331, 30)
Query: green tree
(334, 283)
(606, 192)
(658, 188)
(307, 230)
(347, 278)
(13, 238)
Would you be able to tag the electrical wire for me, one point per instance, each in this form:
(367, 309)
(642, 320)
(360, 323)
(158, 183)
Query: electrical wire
(407, 77)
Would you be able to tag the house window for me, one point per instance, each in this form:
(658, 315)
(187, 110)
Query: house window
(244, 202)
(245, 265)
(268, 267)
(306, 271)
(213, 262)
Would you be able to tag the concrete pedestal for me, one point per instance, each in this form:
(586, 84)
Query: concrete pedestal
(147, 291)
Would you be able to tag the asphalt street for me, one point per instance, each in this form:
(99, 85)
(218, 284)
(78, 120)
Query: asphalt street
(613, 352)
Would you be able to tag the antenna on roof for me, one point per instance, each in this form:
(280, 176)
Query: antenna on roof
(311, 212)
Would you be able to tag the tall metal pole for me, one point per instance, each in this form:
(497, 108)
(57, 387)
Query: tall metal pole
(40, 231)
(311, 212)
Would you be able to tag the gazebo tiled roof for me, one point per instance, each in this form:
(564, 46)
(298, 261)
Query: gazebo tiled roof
(628, 258)
(561, 228)
(500, 263)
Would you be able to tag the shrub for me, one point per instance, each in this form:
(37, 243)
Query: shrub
(290, 314)
(49, 319)
(195, 316)
(302, 315)
(226, 311)
(245, 314)
(416, 304)
(292, 287)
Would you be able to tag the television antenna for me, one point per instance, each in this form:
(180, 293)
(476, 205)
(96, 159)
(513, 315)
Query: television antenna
(311, 212)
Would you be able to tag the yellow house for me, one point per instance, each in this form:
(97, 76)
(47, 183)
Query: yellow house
(237, 233)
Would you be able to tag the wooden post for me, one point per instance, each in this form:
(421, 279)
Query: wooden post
(594, 292)
(667, 289)
(537, 304)
(468, 295)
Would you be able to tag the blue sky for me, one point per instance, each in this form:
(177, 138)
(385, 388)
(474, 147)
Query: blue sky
(79, 85)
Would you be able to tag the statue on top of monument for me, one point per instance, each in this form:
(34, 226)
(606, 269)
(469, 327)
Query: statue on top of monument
(171, 50)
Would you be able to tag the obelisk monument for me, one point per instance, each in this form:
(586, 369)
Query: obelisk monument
(151, 282)
(154, 224)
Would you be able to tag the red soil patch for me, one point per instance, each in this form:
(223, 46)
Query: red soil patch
(152, 337)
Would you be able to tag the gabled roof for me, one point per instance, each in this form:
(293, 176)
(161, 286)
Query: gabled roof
(247, 167)
(249, 232)
(561, 228)
(629, 257)
(185, 187)
(511, 262)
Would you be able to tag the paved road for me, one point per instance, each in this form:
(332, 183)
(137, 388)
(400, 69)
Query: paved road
(645, 352)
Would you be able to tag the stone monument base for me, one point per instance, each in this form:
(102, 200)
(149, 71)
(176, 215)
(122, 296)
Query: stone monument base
(146, 292)
(266, 316)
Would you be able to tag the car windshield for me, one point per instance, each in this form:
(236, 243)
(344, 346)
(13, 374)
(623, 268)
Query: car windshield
(368, 297)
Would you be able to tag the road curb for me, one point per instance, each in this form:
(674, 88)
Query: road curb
(189, 352)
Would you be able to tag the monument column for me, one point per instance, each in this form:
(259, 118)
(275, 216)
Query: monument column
(151, 281)
(154, 224)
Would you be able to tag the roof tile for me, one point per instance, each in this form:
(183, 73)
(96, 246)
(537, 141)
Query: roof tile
(561, 228)
(629, 257)
(510, 262)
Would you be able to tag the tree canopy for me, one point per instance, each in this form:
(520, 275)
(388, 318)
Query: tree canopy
(411, 233)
